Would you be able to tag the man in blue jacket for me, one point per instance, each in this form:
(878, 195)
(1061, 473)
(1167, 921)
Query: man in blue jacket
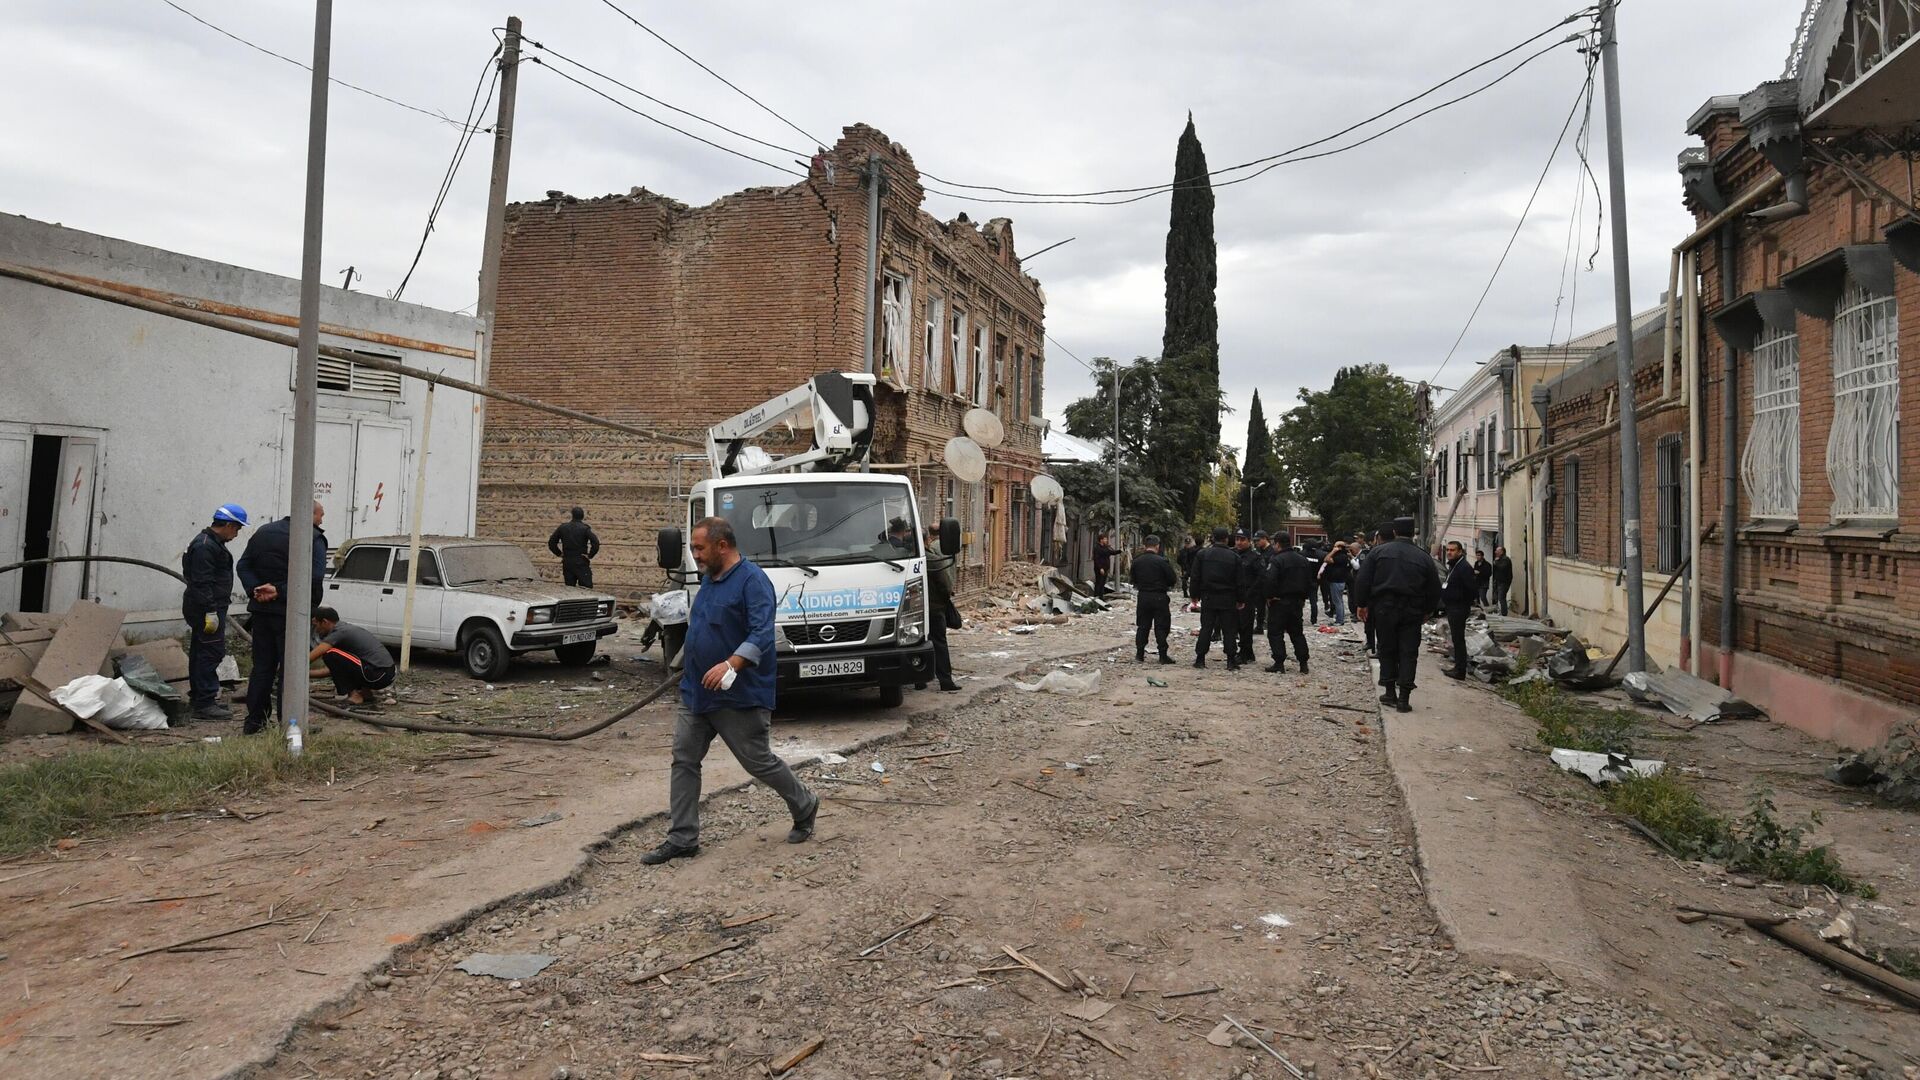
(208, 567)
(263, 572)
(726, 689)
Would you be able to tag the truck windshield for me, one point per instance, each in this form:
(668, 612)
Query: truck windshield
(804, 524)
(467, 564)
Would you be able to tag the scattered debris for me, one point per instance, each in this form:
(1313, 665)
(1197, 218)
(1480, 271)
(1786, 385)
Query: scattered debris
(506, 966)
(640, 977)
(797, 1055)
(897, 932)
(1794, 935)
(1037, 969)
(110, 701)
(1604, 768)
(79, 646)
(1060, 682)
(1892, 769)
(1511, 627)
(1685, 695)
(1171, 994)
(1090, 1010)
(543, 819)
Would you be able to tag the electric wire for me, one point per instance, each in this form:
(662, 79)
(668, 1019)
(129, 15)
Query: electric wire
(730, 84)
(474, 107)
(1271, 165)
(1181, 181)
(1558, 141)
(223, 32)
(596, 91)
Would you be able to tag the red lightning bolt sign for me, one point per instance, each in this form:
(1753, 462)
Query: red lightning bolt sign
(379, 492)
(77, 475)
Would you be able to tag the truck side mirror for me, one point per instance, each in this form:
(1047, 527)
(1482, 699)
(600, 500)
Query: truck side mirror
(672, 549)
(949, 536)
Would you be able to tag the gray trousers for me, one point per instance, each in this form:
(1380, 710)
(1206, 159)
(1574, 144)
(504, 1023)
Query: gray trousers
(746, 733)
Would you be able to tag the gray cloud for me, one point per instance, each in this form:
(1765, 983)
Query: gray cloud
(136, 122)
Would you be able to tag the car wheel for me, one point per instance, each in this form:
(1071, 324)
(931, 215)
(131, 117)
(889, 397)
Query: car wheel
(578, 654)
(486, 653)
(893, 696)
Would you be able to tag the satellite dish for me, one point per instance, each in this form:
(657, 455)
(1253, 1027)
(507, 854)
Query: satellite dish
(1047, 491)
(965, 459)
(984, 427)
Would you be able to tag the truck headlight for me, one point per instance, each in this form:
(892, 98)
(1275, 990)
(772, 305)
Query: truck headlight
(604, 609)
(538, 615)
(913, 613)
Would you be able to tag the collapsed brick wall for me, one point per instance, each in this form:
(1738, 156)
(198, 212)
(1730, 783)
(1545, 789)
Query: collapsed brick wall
(645, 310)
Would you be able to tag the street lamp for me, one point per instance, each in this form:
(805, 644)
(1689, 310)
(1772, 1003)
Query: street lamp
(1119, 377)
(1250, 492)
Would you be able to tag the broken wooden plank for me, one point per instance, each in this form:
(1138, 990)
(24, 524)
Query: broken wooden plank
(79, 646)
(209, 937)
(671, 1059)
(1189, 993)
(798, 1054)
(165, 654)
(749, 920)
(1095, 1038)
(670, 968)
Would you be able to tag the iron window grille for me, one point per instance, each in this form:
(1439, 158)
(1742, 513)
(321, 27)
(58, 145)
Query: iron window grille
(1570, 508)
(1770, 464)
(1670, 535)
(1863, 451)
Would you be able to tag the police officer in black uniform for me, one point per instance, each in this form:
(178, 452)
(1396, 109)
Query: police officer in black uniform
(1250, 599)
(1153, 581)
(1398, 586)
(1216, 581)
(1287, 582)
(576, 547)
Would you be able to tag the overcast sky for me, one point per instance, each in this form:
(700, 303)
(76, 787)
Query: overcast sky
(127, 118)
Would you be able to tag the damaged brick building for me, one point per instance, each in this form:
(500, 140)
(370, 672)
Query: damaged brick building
(645, 310)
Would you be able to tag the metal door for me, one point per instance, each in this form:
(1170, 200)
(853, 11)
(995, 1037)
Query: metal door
(16, 453)
(332, 473)
(73, 522)
(379, 468)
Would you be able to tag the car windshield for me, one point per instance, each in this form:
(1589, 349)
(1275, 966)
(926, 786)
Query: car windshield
(820, 523)
(469, 563)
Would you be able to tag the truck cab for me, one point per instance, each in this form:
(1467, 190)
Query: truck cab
(849, 570)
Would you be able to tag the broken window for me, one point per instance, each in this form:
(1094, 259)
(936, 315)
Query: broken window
(998, 387)
(1770, 465)
(980, 365)
(1016, 385)
(1862, 452)
(957, 341)
(936, 370)
(1033, 390)
(896, 301)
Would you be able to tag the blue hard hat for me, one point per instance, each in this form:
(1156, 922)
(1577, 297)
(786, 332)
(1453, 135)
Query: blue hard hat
(233, 512)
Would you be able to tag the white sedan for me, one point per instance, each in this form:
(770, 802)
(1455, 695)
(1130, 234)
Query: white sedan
(480, 598)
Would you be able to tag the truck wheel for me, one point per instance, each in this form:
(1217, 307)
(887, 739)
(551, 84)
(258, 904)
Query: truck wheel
(486, 653)
(893, 696)
(578, 654)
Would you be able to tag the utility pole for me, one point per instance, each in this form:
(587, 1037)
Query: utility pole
(875, 175)
(306, 369)
(1250, 494)
(1119, 375)
(496, 230)
(1623, 348)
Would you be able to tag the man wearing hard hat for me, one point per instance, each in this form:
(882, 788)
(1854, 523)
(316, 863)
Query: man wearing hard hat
(208, 567)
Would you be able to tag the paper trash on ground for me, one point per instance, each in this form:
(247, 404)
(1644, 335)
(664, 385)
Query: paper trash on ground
(1605, 768)
(1060, 682)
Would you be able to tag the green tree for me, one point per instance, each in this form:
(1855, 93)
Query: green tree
(1191, 340)
(1353, 451)
(1219, 497)
(1143, 502)
(1260, 472)
(1164, 410)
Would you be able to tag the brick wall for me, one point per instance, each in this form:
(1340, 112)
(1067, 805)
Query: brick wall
(643, 309)
(1816, 597)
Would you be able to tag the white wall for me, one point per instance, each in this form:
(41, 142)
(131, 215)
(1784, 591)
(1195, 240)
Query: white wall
(189, 417)
(1583, 598)
(1479, 511)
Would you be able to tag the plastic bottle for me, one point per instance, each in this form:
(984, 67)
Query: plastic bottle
(294, 743)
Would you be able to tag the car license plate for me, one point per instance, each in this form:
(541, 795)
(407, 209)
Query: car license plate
(577, 637)
(815, 669)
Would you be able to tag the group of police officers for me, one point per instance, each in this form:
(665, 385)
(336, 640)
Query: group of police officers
(1248, 583)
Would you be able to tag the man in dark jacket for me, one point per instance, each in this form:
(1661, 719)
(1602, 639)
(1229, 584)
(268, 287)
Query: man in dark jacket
(576, 546)
(1103, 554)
(1250, 599)
(208, 567)
(1457, 599)
(1502, 578)
(1216, 578)
(1312, 550)
(1399, 587)
(1373, 640)
(1263, 548)
(263, 573)
(941, 614)
(1152, 610)
(1288, 581)
(1482, 578)
(1188, 549)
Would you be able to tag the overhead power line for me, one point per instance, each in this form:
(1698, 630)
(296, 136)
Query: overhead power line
(1188, 180)
(223, 32)
(475, 108)
(1579, 99)
(730, 84)
(596, 91)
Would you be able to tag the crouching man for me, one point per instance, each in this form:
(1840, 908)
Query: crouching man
(359, 664)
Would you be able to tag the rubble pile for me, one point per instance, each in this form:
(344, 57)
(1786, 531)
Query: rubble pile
(56, 669)
(1891, 771)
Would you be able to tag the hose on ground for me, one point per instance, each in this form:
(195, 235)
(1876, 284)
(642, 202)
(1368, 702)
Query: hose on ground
(381, 721)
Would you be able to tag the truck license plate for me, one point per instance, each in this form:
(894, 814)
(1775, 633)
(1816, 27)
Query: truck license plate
(577, 637)
(815, 669)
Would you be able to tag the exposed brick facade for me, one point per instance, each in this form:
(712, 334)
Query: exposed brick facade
(643, 309)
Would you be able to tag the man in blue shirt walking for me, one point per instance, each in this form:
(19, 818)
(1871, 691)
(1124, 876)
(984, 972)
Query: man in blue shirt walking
(726, 689)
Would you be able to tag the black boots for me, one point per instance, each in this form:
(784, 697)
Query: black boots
(1402, 702)
(1456, 673)
(1387, 696)
(668, 852)
(1165, 658)
(1276, 667)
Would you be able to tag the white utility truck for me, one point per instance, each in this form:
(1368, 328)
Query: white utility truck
(843, 546)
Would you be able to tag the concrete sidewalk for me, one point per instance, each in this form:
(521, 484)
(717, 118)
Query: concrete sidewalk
(1496, 873)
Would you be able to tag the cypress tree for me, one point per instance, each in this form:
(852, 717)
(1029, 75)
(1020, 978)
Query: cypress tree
(1191, 341)
(1262, 466)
